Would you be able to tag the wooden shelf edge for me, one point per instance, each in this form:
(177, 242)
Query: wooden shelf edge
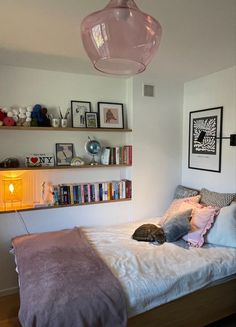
(72, 129)
(65, 167)
(65, 206)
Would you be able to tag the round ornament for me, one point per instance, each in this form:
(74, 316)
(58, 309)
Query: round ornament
(93, 147)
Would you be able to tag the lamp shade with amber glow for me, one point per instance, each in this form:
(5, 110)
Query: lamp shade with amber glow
(12, 190)
(120, 39)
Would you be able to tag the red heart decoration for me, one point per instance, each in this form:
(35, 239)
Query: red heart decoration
(34, 160)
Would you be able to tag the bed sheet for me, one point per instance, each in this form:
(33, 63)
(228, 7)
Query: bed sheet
(152, 275)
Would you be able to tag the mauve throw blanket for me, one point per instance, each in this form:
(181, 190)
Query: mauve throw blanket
(64, 283)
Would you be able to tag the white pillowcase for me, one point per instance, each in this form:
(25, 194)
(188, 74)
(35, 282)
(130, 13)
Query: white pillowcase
(223, 231)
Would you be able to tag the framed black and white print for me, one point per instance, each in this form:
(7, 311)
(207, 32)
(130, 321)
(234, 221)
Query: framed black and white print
(91, 119)
(205, 133)
(64, 154)
(110, 115)
(78, 110)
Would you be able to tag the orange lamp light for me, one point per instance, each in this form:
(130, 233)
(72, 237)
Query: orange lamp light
(12, 191)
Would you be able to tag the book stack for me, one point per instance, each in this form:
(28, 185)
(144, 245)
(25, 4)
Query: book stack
(72, 194)
(117, 155)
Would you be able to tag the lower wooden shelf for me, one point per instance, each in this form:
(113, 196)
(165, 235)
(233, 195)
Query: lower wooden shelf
(64, 206)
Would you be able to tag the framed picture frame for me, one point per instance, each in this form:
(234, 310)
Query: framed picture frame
(110, 115)
(64, 154)
(78, 110)
(205, 139)
(91, 119)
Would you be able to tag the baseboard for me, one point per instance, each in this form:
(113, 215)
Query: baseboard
(9, 291)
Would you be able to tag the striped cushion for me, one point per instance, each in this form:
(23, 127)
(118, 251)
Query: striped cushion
(216, 199)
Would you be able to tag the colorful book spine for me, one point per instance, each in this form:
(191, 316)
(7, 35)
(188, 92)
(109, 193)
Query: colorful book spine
(79, 194)
(82, 194)
(66, 194)
(85, 187)
(117, 151)
(104, 191)
(116, 193)
(71, 194)
(100, 192)
(56, 194)
(128, 186)
(96, 192)
(92, 192)
(75, 194)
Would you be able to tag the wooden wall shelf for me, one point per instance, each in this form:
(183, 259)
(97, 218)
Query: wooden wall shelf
(65, 167)
(65, 206)
(71, 129)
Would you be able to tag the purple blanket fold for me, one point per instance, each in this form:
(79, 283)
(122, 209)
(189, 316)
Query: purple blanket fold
(64, 283)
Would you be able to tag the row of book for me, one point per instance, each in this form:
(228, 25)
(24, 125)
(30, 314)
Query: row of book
(67, 194)
(117, 155)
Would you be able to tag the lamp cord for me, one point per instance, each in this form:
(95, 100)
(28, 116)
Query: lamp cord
(23, 222)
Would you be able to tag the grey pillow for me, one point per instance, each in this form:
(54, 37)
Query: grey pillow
(177, 225)
(149, 233)
(184, 192)
(223, 231)
(220, 200)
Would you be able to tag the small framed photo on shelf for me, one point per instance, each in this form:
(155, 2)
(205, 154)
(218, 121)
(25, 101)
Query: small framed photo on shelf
(91, 120)
(78, 111)
(64, 154)
(110, 115)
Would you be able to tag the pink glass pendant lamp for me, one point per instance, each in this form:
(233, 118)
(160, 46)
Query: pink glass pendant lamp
(120, 39)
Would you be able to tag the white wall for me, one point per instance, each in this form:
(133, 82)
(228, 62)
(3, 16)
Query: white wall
(218, 89)
(157, 135)
(156, 140)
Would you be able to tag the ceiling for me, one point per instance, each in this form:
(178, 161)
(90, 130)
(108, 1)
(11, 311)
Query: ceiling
(199, 36)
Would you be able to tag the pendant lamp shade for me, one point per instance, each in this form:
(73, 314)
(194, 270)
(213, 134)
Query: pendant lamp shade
(120, 39)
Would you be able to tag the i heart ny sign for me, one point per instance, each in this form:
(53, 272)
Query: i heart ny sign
(39, 160)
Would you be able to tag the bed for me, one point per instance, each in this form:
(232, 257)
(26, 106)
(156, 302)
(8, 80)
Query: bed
(103, 277)
(168, 284)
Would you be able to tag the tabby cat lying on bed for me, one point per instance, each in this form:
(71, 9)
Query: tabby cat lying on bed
(149, 233)
(174, 227)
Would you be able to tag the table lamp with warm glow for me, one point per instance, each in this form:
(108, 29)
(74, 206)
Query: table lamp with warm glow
(12, 192)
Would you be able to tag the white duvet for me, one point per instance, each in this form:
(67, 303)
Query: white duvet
(152, 275)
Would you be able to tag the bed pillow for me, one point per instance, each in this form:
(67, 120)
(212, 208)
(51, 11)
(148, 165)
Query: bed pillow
(223, 231)
(184, 192)
(179, 205)
(220, 200)
(177, 225)
(149, 233)
(201, 222)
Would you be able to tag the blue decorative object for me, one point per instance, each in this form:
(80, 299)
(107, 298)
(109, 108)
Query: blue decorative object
(93, 147)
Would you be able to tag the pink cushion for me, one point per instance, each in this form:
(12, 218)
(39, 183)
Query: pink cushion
(180, 205)
(201, 222)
